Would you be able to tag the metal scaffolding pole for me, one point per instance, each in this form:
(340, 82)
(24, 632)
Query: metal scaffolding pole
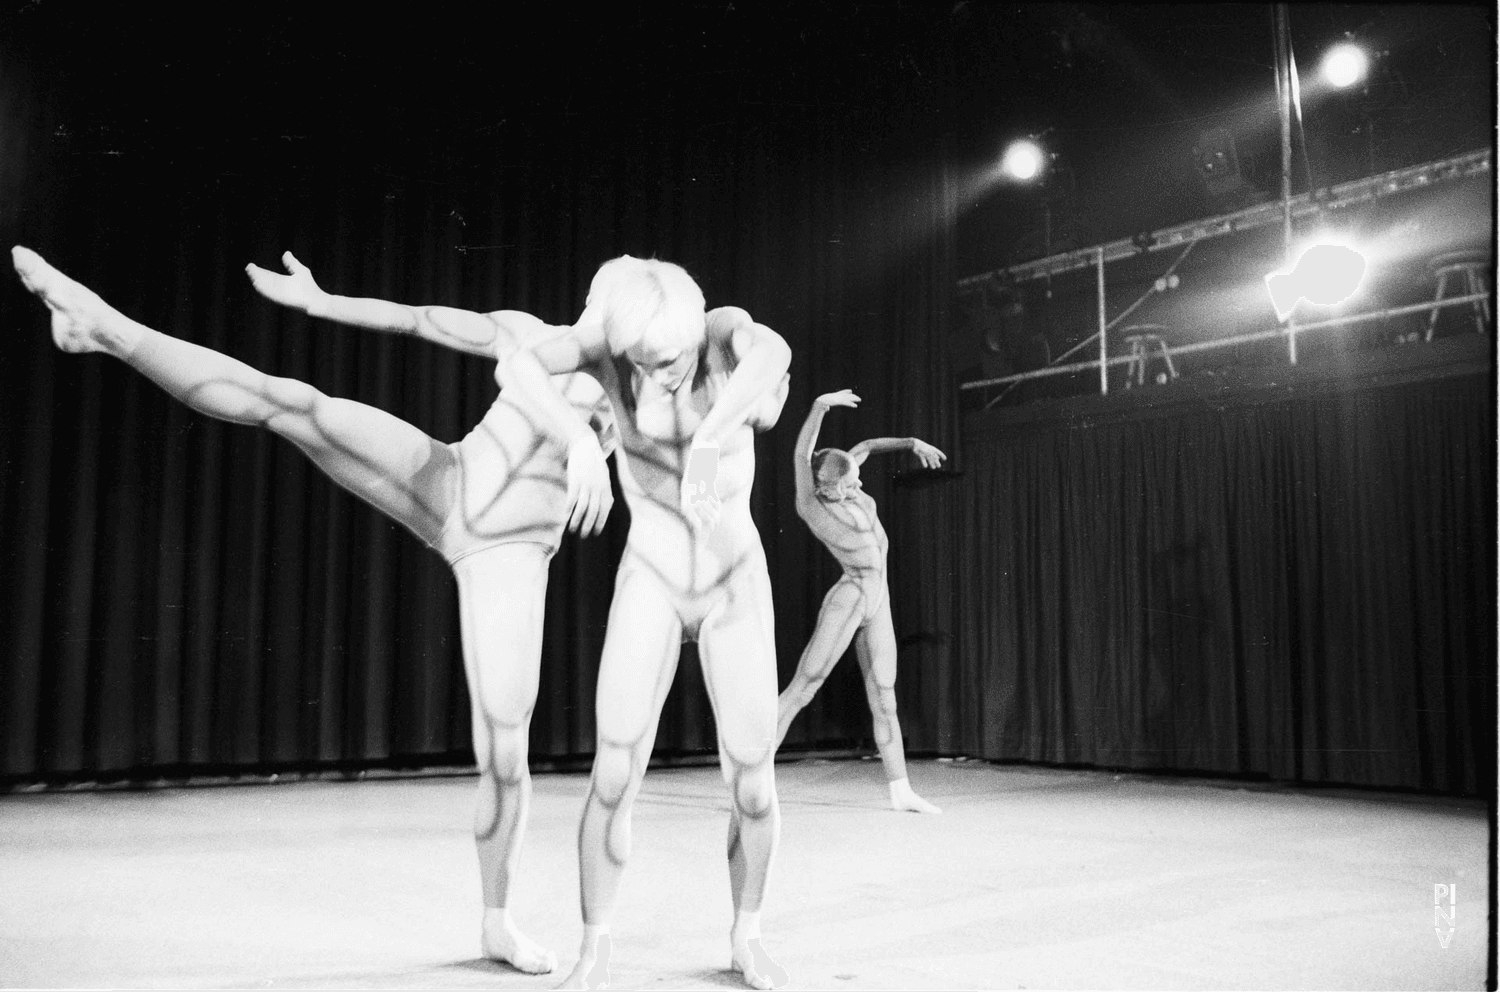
(1359, 318)
(1366, 190)
(1103, 331)
(1284, 112)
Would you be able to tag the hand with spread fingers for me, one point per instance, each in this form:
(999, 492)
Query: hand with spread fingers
(295, 289)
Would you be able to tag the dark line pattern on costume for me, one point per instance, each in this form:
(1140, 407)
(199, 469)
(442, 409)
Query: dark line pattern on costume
(491, 724)
(636, 765)
(189, 397)
(812, 672)
(660, 461)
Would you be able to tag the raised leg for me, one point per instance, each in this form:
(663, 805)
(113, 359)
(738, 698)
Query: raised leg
(876, 646)
(641, 648)
(502, 655)
(382, 459)
(838, 619)
(737, 644)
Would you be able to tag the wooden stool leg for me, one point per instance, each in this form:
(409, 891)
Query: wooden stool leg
(1433, 319)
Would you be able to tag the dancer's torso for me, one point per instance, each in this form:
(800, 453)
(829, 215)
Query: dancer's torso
(850, 529)
(512, 475)
(656, 433)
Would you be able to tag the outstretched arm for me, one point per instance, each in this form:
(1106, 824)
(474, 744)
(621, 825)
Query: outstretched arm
(807, 440)
(500, 336)
(459, 329)
(929, 456)
(761, 360)
(506, 336)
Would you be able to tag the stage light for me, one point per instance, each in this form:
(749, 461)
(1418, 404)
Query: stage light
(1345, 64)
(1023, 160)
(1325, 274)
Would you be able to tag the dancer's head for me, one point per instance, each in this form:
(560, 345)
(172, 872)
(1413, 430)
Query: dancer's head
(653, 314)
(835, 474)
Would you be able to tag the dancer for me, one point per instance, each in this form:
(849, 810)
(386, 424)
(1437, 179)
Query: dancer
(688, 389)
(858, 607)
(494, 504)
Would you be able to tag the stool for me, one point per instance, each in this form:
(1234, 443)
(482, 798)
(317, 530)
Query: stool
(1467, 271)
(1143, 339)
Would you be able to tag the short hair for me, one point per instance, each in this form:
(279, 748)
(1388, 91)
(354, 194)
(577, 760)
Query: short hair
(646, 298)
(829, 465)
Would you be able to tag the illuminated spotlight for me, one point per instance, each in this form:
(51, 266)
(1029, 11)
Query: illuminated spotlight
(1325, 274)
(1345, 64)
(1023, 160)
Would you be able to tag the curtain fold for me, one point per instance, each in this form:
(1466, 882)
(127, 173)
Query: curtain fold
(1300, 589)
(186, 596)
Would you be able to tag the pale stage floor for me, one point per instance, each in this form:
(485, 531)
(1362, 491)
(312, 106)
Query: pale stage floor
(1033, 878)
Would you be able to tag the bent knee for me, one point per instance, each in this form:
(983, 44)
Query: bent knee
(290, 395)
(508, 759)
(614, 772)
(755, 792)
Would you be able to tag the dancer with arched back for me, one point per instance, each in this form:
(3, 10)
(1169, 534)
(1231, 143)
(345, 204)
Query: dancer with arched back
(494, 504)
(835, 507)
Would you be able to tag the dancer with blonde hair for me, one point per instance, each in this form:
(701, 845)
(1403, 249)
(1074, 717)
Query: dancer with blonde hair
(689, 389)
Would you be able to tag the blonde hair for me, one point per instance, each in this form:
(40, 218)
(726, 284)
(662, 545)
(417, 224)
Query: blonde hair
(648, 299)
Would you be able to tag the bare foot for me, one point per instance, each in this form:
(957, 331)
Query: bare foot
(81, 321)
(592, 969)
(903, 799)
(755, 966)
(501, 941)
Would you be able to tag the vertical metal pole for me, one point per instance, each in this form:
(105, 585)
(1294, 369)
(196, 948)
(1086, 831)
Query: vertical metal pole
(1103, 343)
(1047, 236)
(1284, 112)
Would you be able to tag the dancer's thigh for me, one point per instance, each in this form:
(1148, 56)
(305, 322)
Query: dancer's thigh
(875, 645)
(838, 619)
(641, 647)
(388, 463)
(737, 644)
(502, 594)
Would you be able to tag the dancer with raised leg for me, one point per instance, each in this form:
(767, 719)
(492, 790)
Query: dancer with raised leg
(831, 501)
(494, 504)
(689, 389)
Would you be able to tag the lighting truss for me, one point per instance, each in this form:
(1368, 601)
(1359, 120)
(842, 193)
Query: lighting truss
(1260, 215)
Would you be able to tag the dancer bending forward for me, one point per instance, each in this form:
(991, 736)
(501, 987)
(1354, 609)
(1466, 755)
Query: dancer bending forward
(688, 390)
(839, 513)
(494, 504)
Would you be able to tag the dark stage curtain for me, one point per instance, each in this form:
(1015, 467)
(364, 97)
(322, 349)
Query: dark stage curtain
(1300, 588)
(185, 596)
